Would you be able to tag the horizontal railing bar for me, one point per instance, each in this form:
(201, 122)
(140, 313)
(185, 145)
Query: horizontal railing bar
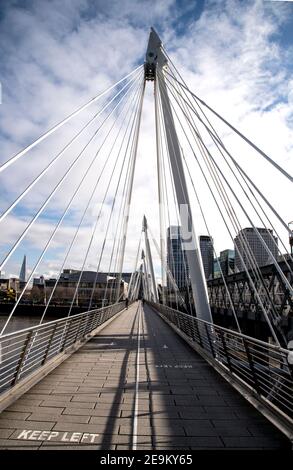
(235, 333)
(65, 319)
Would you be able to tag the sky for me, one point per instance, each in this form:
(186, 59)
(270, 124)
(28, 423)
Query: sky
(55, 55)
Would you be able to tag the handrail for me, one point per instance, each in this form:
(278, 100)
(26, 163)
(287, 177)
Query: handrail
(34, 348)
(234, 332)
(261, 368)
(76, 315)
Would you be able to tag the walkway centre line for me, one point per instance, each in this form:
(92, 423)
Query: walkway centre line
(135, 420)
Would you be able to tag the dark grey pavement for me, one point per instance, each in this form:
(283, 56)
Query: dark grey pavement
(136, 385)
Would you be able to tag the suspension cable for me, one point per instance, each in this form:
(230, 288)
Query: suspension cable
(51, 237)
(87, 206)
(4, 261)
(285, 280)
(61, 123)
(93, 234)
(255, 147)
(55, 159)
(240, 256)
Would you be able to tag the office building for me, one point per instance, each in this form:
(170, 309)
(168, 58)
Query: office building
(207, 255)
(259, 252)
(227, 262)
(217, 271)
(176, 257)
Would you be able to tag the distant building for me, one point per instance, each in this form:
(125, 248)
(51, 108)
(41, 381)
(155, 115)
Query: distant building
(101, 288)
(260, 254)
(22, 274)
(207, 255)
(217, 272)
(176, 257)
(227, 262)
(9, 289)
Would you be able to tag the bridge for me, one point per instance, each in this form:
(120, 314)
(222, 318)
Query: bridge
(156, 371)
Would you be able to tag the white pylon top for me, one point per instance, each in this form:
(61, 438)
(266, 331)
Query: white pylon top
(154, 55)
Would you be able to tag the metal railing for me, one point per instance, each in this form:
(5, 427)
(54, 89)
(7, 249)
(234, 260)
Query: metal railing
(25, 351)
(264, 369)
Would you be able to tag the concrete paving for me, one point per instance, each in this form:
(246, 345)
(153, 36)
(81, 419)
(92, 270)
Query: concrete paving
(136, 385)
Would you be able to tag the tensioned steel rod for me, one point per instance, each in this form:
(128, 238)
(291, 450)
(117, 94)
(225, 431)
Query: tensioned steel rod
(64, 121)
(129, 192)
(4, 261)
(231, 215)
(239, 253)
(185, 267)
(218, 142)
(227, 202)
(57, 157)
(95, 229)
(255, 147)
(193, 255)
(264, 244)
(119, 225)
(222, 149)
(244, 176)
(130, 125)
(215, 253)
(53, 234)
(82, 218)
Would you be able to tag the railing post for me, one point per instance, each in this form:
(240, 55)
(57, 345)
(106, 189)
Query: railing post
(22, 358)
(66, 334)
(49, 344)
(199, 340)
(226, 351)
(78, 330)
(251, 365)
(209, 340)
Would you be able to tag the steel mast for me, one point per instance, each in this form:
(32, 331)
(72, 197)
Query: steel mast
(155, 64)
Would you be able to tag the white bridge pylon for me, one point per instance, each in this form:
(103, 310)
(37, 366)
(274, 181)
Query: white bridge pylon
(156, 59)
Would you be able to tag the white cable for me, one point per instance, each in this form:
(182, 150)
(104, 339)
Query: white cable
(56, 158)
(55, 189)
(61, 123)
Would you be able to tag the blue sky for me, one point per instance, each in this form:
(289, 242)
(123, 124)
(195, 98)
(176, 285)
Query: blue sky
(55, 55)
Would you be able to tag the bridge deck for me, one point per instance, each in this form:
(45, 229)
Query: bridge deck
(108, 396)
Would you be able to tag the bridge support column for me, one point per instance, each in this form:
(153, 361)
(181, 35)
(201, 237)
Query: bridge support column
(157, 59)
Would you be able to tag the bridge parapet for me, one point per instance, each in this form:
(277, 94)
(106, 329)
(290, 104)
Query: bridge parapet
(261, 372)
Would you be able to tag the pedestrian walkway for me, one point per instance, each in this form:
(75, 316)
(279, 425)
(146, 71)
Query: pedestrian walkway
(136, 385)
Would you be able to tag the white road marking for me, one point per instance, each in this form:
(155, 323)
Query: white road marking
(135, 420)
(165, 346)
